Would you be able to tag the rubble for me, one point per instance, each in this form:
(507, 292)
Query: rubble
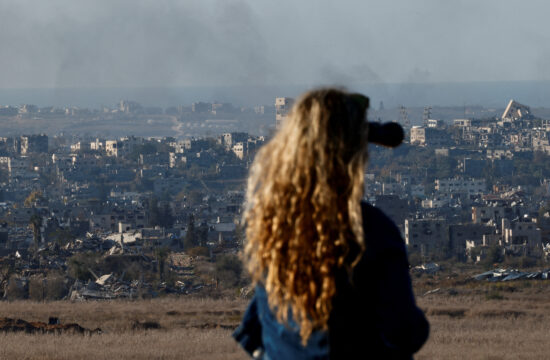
(107, 288)
(429, 268)
(434, 291)
(54, 327)
(512, 274)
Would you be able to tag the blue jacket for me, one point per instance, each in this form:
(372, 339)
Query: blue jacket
(374, 318)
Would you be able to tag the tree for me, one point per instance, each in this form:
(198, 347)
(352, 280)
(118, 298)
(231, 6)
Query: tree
(166, 218)
(154, 213)
(240, 234)
(194, 197)
(35, 222)
(190, 239)
(494, 255)
(228, 270)
(161, 255)
(61, 236)
(79, 265)
(34, 197)
(103, 190)
(202, 234)
(6, 270)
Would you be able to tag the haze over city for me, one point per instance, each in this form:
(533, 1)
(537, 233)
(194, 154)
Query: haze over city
(167, 50)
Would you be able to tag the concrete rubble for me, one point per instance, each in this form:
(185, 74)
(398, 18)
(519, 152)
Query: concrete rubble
(512, 274)
(429, 268)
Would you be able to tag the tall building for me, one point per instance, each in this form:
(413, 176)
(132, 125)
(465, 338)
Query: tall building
(282, 108)
(129, 107)
(201, 107)
(429, 136)
(34, 144)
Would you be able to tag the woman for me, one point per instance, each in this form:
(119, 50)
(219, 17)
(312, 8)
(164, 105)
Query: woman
(331, 272)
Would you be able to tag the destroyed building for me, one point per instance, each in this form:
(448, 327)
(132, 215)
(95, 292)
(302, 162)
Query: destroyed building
(515, 111)
(426, 235)
(462, 234)
(521, 237)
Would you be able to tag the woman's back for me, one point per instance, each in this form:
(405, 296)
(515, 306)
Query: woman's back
(376, 316)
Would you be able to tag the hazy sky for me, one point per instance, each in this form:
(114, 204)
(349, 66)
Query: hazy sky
(127, 43)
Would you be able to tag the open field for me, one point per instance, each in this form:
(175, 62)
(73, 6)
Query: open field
(188, 328)
(473, 320)
(512, 323)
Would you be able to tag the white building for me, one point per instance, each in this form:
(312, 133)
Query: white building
(239, 150)
(418, 135)
(461, 186)
(282, 108)
(462, 122)
(96, 145)
(122, 146)
(80, 146)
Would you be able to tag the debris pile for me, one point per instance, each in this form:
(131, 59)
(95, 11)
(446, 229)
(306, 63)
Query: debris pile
(107, 287)
(430, 268)
(18, 325)
(512, 274)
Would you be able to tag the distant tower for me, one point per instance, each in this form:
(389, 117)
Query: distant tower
(381, 107)
(427, 115)
(282, 107)
(404, 117)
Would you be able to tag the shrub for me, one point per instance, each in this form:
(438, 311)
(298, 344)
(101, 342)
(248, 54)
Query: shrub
(79, 265)
(50, 288)
(228, 270)
(494, 295)
(56, 288)
(199, 251)
(145, 325)
(527, 262)
(18, 288)
(37, 288)
(415, 259)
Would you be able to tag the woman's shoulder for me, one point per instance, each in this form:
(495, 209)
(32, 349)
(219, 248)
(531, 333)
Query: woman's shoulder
(381, 233)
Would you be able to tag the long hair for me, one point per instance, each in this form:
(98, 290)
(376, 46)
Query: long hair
(303, 208)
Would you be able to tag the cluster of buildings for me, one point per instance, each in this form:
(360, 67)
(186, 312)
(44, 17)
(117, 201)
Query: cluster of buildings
(126, 197)
(515, 131)
(134, 108)
(462, 218)
(478, 207)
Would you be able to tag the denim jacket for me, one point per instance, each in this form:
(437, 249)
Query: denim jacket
(375, 318)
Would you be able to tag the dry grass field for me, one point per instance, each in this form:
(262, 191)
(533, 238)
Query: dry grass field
(469, 320)
(188, 329)
(513, 325)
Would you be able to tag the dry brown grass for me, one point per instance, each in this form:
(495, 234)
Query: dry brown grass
(465, 324)
(472, 325)
(120, 316)
(189, 328)
(157, 344)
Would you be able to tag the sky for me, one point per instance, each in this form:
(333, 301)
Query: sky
(163, 43)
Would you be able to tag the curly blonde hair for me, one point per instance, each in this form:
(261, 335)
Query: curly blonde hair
(303, 208)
